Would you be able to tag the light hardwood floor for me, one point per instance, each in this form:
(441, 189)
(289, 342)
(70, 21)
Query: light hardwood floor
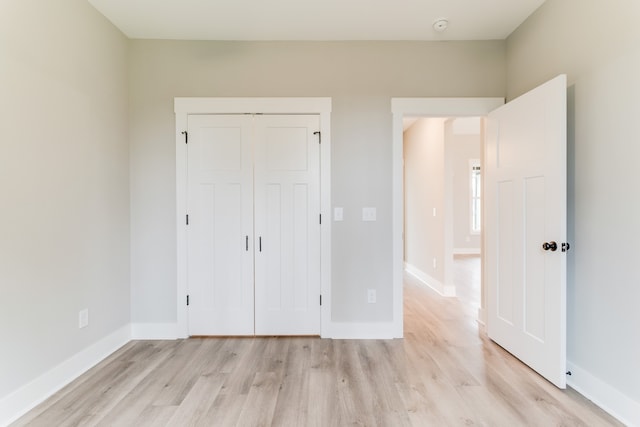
(444, 372)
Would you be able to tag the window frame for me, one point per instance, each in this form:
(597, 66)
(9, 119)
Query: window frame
(475, 195)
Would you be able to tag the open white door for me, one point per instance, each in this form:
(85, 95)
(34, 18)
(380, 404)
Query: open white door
(525, 228)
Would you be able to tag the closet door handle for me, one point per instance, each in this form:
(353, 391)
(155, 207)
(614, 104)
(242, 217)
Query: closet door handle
(260, 243)
(246, 243)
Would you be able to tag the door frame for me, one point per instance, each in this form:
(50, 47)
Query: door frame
(424, 107)
(183, 107)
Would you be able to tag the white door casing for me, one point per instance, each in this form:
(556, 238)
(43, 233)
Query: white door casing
(525, 205)
(287, 225)
(420, 107)
(186, 107)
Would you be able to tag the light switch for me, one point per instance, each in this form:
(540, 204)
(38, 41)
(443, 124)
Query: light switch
(337, 214)
(368, 214)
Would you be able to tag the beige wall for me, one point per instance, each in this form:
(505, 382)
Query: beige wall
(462, 147)
(64, 184)
(424, 176)
(569, 37)
(361, 77)
(598, 44)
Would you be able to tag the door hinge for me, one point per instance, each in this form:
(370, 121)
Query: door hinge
(319, 136)
(566, 247)
(187, 219)
(187, 299)
(320, 299)
(186, 136)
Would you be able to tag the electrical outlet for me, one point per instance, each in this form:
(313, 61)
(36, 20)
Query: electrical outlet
(83, 318)
(434, 211)
(435, 264)
(371, 296)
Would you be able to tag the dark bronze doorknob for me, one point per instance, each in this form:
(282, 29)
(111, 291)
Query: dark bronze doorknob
(552, 246)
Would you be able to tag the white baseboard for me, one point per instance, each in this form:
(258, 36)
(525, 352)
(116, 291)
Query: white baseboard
(32, 394)
(466, 251)
(620, 406)
(436, 285)
(154, 331)
(482, 316)
(362, 331)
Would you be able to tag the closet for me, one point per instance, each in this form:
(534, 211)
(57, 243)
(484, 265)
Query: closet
(253, 234)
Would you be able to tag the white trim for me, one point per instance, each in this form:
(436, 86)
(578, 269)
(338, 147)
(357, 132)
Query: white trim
(445, 107)
(472, 165)
(154, 331)
(397, 215)
(362, 331)
(466, 251)
(429, 281)
(610, 399)
(447, 214)
(426, 107)
(182, 329)
(482, 316)
(32, 394)
(325, 210)
(185, 106)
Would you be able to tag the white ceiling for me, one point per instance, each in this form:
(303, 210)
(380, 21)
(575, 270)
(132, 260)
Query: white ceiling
(316, 19)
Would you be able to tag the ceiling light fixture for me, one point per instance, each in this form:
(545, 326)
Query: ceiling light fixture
(440, 24)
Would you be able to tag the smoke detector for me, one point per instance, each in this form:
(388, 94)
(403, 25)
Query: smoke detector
(440, 24)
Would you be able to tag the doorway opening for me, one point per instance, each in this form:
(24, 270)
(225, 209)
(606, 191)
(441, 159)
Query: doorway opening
(421, 107)
(442, 205)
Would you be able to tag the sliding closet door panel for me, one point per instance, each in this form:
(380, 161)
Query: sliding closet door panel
(287, 208)
(220, 229)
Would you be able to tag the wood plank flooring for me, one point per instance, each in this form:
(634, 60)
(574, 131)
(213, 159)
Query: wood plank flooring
(445, 372)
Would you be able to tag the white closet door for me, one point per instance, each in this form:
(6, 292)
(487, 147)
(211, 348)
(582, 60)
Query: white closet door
(287, 239)
(220, 230)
